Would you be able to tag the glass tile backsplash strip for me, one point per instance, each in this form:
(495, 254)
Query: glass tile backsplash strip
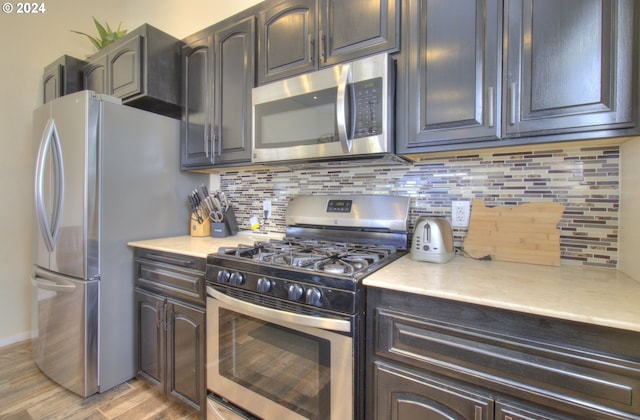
(584, 179)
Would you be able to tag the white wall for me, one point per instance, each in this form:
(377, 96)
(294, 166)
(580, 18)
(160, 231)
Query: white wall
(28, 43)
(629, 226)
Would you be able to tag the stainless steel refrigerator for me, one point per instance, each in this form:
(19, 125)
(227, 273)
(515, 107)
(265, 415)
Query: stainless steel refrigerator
(105, 174)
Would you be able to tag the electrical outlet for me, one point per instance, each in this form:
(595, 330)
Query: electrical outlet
(266, 208)
(460, 213)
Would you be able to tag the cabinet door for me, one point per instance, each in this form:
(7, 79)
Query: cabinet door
(355, 28)
(402, 395)
(234, 79)
(52, 82)
(125, 69)
(568, 65)
(287, 40)
(95, 75)
(450, 77)
(506, 410)
(186, 354)
(197, 70)
(150, 320)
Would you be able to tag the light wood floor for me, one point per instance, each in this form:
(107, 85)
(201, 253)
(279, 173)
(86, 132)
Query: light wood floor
(26, 393)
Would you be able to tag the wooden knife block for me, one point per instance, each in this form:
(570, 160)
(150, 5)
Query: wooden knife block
(200, 229)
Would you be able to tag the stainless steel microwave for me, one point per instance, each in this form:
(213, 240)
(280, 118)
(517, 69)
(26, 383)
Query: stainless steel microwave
(341, 112)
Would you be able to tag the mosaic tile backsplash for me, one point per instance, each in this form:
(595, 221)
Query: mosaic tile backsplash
(584, 179)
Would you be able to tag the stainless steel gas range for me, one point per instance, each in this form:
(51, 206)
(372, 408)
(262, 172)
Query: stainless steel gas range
(285, 333)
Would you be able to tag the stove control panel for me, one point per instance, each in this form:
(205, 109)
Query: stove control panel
(290, 290)
(339, 206)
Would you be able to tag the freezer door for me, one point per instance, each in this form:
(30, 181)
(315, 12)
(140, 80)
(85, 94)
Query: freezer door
(66, 187)
(65, 339)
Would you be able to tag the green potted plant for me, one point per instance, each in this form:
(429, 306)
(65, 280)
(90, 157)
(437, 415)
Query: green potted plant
(105, 34)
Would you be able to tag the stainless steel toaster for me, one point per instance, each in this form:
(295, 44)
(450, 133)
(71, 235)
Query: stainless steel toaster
(432, 240)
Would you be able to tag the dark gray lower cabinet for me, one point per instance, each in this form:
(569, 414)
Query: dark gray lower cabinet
(171, 326)
(403, 394)
(438, 359)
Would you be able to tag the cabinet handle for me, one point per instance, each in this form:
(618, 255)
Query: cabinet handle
(168, 315)
(478, 413)
(169, 260)
(312, 49)
(323, 39)
(512, 103)
(160, 318)
(491, 117)
(205, 140)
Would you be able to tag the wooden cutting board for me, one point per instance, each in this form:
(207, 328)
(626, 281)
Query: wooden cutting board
(526, 233)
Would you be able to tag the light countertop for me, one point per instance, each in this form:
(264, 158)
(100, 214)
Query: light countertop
(592, 295)
(202, 246)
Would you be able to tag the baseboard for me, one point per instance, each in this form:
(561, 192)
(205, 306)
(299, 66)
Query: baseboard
(15, 339)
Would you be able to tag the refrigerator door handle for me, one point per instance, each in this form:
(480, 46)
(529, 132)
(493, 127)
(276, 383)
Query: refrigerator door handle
(52, 282)
(50, 143)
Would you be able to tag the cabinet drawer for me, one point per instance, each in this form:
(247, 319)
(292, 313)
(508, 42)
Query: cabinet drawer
(546, 367)
(171, 275)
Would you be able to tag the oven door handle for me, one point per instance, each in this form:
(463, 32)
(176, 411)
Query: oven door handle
(274, 315)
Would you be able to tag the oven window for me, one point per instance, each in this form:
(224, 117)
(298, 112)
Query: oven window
(300, 120)
(284, 365)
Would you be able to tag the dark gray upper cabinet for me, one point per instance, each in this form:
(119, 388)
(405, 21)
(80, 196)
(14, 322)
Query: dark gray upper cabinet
(142, 68)
(95, 73)
(62, 77)
(552, 71)
(196, 133)
(299, 36)
(234, 78)
(568, 65)
(219, 73)
(449, 74)
(352, 29)
(286, 39)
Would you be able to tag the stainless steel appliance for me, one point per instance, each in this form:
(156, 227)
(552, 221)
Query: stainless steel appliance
(104, 174)
(432, 240)
(342, 112)
(284, 317)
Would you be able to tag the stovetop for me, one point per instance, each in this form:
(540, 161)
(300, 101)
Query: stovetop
(318, 256)
(331, 243)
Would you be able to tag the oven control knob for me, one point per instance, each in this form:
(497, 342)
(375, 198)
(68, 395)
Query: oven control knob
(295, 292)
(224, 276)
(264, 285)
(314, 297)
(237, 279)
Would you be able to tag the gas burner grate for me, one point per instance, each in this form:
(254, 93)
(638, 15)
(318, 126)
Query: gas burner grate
(320, 256)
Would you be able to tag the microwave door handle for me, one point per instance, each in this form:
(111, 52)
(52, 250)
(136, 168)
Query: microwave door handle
(341, 109)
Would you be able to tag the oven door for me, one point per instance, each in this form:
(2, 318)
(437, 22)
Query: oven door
(277, 364)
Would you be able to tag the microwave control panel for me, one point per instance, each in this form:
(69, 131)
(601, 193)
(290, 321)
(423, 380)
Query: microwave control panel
(367, 106)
